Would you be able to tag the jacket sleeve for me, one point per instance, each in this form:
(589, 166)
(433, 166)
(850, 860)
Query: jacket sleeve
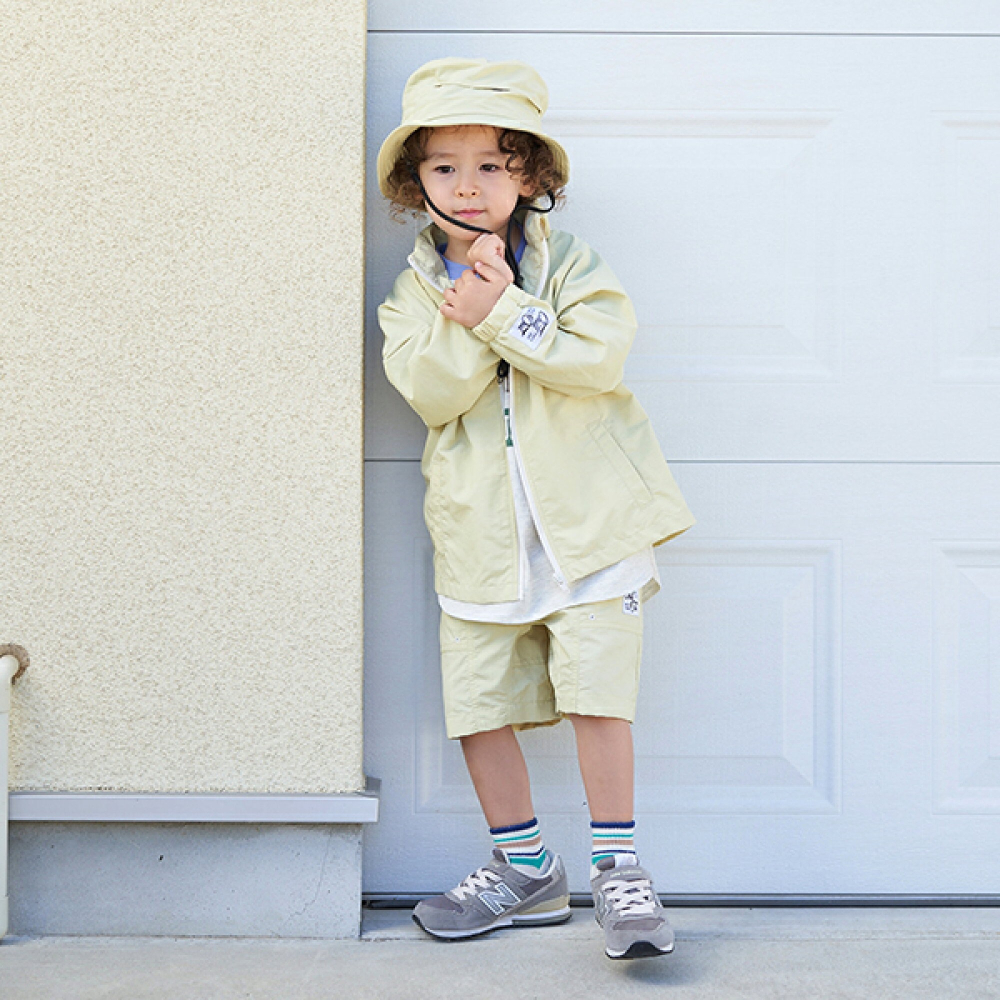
(576, 345)
(437, 365)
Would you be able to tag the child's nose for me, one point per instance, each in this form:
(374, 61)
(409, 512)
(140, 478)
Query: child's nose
(467, 182)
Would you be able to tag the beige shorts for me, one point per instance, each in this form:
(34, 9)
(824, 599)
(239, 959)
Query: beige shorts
(580, 660)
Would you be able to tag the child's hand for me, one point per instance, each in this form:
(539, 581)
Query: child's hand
(471, 299)
(488, 248)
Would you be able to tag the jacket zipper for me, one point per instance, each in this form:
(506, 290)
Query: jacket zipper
(502, 369)
(507, 385)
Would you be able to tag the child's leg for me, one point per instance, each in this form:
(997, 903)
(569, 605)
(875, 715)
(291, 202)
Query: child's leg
(604, 749)
(496, 766)
(625, 902)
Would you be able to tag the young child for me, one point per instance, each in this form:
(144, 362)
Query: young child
(546, 489)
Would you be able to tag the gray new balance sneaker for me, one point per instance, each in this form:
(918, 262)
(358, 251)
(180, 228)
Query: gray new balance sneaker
(626, 906)
(496, 895)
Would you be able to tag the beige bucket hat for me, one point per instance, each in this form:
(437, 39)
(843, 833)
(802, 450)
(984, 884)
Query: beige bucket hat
(456, 91)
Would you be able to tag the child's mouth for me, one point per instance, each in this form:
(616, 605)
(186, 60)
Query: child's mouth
(469, 213)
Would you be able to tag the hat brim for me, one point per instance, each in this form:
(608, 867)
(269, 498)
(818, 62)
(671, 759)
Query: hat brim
(390, 149)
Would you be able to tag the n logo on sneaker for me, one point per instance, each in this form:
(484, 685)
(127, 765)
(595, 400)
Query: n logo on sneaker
(500, 898)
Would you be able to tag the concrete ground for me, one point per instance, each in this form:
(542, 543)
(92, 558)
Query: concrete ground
(838, 952)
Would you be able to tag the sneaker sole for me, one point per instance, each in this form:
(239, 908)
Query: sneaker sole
(640, 949)
(558, 916)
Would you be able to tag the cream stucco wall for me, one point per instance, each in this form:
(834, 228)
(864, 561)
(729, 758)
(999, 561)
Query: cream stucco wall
(181, 230)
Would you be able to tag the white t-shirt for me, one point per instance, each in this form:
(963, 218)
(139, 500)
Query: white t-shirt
(542, 592)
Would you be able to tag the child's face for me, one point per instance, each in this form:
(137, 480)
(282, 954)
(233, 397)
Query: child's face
(465, 175)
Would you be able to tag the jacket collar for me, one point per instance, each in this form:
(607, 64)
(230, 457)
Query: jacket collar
(534, 264)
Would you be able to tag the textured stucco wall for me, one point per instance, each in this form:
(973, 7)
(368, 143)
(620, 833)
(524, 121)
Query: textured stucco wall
(181, 241)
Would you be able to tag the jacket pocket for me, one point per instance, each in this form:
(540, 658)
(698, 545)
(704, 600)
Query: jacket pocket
(620, 462)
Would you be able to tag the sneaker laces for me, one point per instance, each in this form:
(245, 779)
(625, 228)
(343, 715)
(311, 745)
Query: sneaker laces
(631, 897)
(481, 878)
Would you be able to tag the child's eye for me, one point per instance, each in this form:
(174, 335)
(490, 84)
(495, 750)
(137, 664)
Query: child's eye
(490, 167)
(443, 169)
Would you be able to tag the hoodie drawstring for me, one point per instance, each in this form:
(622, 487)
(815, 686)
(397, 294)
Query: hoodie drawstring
(508, 250)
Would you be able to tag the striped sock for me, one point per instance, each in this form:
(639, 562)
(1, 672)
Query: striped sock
(613, 840)
(522, 843)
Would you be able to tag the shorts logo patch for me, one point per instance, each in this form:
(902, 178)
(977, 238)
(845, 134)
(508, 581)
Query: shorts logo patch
(630, 603)
(530, 326)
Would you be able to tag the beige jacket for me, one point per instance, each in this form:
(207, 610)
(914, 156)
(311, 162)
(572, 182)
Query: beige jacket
(597, 483)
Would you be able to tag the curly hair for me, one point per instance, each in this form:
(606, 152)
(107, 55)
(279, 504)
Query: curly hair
(526, 154)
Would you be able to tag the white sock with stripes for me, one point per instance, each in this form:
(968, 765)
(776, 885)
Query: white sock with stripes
(522, 843)
(612, 840)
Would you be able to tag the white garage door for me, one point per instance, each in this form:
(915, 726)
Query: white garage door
(807, 224)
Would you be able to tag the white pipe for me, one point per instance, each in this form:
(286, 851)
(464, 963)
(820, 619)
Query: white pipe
(12, 665)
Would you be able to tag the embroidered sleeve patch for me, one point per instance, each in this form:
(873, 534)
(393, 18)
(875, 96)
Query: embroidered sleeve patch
(530, 326)
(630, 603)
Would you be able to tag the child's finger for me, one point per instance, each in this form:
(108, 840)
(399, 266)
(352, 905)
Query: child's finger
(486, 246)
(503, 267)
(484, 240)
(492, 273)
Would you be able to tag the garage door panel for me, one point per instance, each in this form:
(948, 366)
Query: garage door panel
(845, 16)
(818, 696)
(968, 315)
(726, 244)
(743, 718)
(804, 224)
(967, 677)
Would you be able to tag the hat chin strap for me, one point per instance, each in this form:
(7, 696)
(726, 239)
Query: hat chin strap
(508, 251)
